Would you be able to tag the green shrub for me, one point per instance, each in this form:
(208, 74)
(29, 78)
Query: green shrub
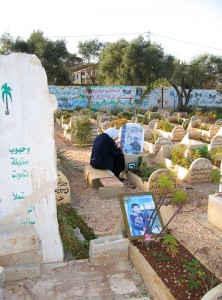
(165, 125)
(68, 220)
(82, 129)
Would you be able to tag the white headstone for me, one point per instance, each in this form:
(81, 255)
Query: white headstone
(216, 142)
(161, 141)
(200, 170)
(194, 121)
(152, 124)
(186, 123)
(219, 122)
(178, 133)
(105, 125)
(153, 185)
(27, 162)
(213, 130)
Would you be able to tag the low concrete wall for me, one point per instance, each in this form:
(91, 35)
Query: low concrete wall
(108, 249)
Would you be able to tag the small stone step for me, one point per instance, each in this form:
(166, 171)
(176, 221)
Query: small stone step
(19, 245)
(111, 187)
(93, 176)
(110, 182)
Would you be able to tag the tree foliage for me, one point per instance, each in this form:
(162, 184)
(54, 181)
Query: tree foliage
(204, 72)
(52, 54)
(90, 52)
(138, 62)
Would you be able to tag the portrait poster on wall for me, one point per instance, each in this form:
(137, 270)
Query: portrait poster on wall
(132, 138)
(140, 215)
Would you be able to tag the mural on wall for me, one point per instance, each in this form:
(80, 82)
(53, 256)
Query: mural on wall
(117, 97)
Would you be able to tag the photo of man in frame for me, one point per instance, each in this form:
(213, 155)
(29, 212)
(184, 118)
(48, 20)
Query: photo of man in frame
(132, 138)
(141, 220)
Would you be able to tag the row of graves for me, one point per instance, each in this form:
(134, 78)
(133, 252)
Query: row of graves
(29, 231)
(138, 146)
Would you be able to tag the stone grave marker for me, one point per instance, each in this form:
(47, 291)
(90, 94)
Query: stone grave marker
(219, 131)
(173, 119)
(194, 121)
(152, 124)
(133, 119)
(63, 189)
(165, 114)
(219, 122)
(102, 118)
(93, 134)
(161, 141)
(186, 123)
(216, 142)
(200, 170)
(153, 186)
(27, 162)
(178, 133)
(182, 114)
(105, 125)
(213, 130)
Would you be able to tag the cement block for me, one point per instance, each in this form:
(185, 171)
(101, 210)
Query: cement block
(107, 193)
(17, 239)
(2, 277)
(93, 176)
(108, 250)
(22, 271)
(214, 211)
(26, 257)
(110, 182)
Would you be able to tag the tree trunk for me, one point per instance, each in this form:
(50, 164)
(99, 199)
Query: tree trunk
(7, 110)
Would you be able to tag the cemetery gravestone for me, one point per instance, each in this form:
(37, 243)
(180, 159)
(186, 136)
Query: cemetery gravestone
(161, 142)
(63, 189)
(219, 122)
(153, 186)
(105, 125)
(214, 130)
(152, 124)
(133, 119)
(216, 142)
(200, 170)
(185, 123)
(28, 166)
(178, 133)
(194, 121)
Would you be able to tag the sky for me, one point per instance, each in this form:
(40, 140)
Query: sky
(184, 28)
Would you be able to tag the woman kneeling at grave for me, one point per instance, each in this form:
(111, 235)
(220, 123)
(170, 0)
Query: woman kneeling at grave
(106, 154)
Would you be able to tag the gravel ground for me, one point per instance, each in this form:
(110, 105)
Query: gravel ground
(190, 227)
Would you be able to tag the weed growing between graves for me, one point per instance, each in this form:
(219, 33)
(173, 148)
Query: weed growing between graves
(68, 220)
(183, 155)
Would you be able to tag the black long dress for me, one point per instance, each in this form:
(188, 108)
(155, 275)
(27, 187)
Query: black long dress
(106, 155)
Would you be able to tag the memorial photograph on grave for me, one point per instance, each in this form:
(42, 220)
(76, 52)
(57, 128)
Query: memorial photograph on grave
(141, 216)
(132, 138)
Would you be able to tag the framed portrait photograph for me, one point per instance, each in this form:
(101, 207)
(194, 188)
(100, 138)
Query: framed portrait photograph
(132, 138)
(140, 215)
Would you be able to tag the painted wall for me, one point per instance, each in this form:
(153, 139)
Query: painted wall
(110, 97)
